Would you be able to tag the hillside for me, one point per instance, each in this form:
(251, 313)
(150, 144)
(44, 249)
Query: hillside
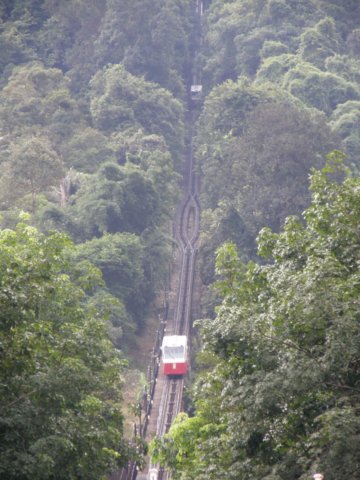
(94, 130)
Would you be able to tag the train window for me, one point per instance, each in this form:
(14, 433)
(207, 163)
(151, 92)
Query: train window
(173, 352)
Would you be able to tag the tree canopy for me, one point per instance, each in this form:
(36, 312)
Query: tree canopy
(300, 56)
(51, 341)
(255, 149)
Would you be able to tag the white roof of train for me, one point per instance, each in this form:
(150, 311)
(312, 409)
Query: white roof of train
(196, 88)
(174, 341)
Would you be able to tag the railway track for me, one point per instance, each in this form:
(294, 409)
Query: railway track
(186, 227)
(186, 232)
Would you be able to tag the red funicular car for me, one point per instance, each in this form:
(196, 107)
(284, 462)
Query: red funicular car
(174, 354)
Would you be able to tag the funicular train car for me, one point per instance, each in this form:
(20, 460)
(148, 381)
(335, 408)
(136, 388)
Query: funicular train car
(196, 93)
(174, 354)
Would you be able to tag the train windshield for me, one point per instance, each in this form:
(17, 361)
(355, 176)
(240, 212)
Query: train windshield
(174, 352)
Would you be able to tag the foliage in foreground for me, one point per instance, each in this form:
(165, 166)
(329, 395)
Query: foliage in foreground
(283, 398)
(60, 377)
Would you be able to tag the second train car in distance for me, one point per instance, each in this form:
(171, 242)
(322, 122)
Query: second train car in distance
(174, 354)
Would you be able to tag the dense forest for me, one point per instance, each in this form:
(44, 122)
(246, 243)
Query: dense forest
(94, 101)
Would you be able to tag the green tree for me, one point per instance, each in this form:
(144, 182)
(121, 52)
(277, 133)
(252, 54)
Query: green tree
(255, 147)
(307, 48)
(38, 98)
(235, 33)
(344, 65)
(320, 42)
(353, 42)
(96, 207)
(120, 100)
(66, 38)
(345, 13)
(43, 134)
(33, 167)
(273, 68)
(152, 155)
(138, 215)
(87, 150)
(345, 122)
(150, 38)
(14, 41)
(270, 163)
(109, 202)
(50, 342)
(30, 10)
(121, 328)
(322, 90)
(120, 258)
